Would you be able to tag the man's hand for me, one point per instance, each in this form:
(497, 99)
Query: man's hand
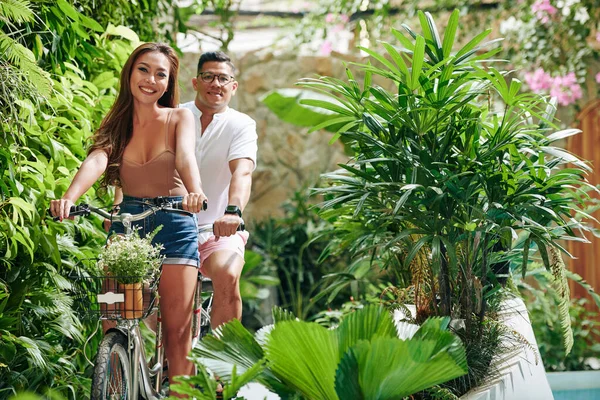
(227, 225)
(193, 202)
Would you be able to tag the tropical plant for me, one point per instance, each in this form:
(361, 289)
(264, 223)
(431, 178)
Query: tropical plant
(255, 288)
(149, 19)
(448, 171)
(45, 120)
(226, 12)
(296, 248)
(361, 358)
(543, 299)
(548, 334)
(555, 43)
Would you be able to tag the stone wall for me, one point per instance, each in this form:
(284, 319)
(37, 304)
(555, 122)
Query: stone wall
(289, 158)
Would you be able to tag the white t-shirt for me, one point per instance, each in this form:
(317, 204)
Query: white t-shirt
(230, 135)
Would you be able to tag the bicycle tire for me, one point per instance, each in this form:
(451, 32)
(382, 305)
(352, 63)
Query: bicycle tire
(112, 362)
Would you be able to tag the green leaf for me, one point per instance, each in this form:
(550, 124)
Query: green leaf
(122, 31)
(389, 368)
(590, 290)
(304, 355)
(403, 40)
(230, 344)
(472, 43)
(286, 104)
(418, 60)
(364, 324)
(565, 133)
(450, 33)
(525, 262)
(16, 10)
(90, 23)
(68, 10)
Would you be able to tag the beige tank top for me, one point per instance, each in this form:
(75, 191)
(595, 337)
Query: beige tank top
(155, 177)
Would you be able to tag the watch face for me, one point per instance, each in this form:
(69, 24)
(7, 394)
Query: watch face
(233, 210)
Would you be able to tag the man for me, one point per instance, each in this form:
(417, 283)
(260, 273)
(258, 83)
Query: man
(226, 146)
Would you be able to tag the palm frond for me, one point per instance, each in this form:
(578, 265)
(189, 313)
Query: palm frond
(23, 60)
(16, 10)
(231, 344)
(558, 268)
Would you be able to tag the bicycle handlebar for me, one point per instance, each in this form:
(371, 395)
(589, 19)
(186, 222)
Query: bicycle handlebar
(210, 227)
(86, 209)
(176, 207)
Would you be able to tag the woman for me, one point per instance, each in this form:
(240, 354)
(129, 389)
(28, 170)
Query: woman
(145, 146)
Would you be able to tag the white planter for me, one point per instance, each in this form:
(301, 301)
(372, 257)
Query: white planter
(522, 375)
(521, 378)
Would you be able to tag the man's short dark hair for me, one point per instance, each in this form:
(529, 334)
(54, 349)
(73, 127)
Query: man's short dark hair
(217, 56)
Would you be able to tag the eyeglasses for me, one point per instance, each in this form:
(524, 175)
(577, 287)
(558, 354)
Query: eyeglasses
(223, 79)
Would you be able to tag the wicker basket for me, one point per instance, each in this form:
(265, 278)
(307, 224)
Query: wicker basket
(104, 297)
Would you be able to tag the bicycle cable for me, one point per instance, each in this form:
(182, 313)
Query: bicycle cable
(88, 340)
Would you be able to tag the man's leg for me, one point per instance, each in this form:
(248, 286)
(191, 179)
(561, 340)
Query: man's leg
(177, 288)
(224, 267)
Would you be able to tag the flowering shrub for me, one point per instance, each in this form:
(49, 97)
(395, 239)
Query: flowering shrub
(131, 259)
(555, 40)
(551, 41)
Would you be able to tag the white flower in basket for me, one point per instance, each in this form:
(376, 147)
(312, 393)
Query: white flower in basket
(131, 261)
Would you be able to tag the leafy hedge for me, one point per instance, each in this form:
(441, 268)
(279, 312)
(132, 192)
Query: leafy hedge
(58, 74)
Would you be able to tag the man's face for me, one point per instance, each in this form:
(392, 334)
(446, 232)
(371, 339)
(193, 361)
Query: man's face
(214, 95)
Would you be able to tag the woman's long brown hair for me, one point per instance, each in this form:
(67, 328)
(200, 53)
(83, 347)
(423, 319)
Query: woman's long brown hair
(116, 128)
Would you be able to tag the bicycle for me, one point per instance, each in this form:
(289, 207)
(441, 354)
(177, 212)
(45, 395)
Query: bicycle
(121, 369)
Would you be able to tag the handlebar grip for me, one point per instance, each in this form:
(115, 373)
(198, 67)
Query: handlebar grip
(241, 227)
(81, 209)
(178, 205)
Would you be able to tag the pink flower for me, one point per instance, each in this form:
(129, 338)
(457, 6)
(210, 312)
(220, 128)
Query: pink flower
(344, 18)
(329, 18)
(543, 10)
(598, 36)
(538, 80)
(598, 77)
(326, 48)
(566, 89)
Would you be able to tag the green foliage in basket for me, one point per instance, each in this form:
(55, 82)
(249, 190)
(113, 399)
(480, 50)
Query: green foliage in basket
(132, 258)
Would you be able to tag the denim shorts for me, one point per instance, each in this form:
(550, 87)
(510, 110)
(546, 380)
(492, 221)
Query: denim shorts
(178, 235)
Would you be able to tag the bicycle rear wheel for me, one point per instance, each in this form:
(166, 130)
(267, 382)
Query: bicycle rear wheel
(112, 374)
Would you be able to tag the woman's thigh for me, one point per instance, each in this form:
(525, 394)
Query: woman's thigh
(176, 290)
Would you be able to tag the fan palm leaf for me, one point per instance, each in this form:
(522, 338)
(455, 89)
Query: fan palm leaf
(360, 359)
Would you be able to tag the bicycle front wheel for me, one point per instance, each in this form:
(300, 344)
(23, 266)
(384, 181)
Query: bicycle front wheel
(112, 374)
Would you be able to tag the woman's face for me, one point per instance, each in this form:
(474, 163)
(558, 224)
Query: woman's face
(149, 78)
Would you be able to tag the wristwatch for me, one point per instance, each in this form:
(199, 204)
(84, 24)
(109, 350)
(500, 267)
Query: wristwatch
(231, 209)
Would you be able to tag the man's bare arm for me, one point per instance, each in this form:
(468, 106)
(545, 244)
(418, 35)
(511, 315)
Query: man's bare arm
(241, 181)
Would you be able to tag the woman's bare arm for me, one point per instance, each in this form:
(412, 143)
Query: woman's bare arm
(185, 159)
(90, 171)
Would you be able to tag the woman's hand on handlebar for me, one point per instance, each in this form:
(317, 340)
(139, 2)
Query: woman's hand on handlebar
(193, 202)
(61, 208)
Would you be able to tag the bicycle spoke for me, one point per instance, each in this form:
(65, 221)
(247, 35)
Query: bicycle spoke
(117, 386)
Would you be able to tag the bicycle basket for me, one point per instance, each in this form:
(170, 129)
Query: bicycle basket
(105, 297)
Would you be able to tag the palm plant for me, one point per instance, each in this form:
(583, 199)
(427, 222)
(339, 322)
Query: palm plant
(454, 176)
(447, 171)
(361, 358)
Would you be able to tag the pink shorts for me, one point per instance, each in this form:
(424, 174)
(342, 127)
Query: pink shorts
(208, 245)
